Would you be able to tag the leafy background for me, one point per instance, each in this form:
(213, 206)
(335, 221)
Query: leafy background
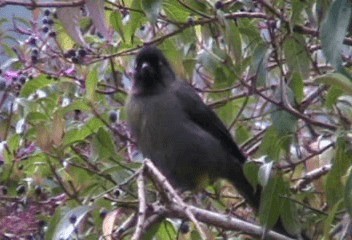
(276, 72)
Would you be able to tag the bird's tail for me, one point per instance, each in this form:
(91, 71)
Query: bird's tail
(252, 195)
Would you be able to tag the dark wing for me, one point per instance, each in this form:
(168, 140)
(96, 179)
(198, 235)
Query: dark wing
(205, 117)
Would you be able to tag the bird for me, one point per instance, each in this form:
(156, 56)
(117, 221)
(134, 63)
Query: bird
(183, 136)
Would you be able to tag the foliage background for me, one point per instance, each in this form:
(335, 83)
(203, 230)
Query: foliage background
(276, 72)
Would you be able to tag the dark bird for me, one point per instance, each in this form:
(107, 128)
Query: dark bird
(174, 128)
(182, 136)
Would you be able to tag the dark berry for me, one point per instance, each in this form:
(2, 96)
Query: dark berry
(100, 35)
(0, 71)
(38, 190)
(22, 80)
(21, 189)
(184, 228)
(219, 5)
(45, 29)
(41, 223)
(47, 12)
(52, 34)
(191, 21)
(142, 28)
(32, 41)
(117, 193)
(35, 52)
(30, 77)
(82, 53)
(113, 116)
(45, 21)
(4, 190)
(71, 53)
(78, 112)
(103, 212)
(50, 21)
(73, 219)
(75, 60)
(14, 79)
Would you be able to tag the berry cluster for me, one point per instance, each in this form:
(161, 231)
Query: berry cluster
(76, 56)
(48, 23)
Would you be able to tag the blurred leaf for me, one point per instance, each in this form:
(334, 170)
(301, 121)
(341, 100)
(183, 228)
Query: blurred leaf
(164, 230)
(35, 84)
(152, 8)
(341, 163)
(70, 18)
(337, 80)
(296, 55)
(251, 171)
(348, 193)
(65, 227)
(333, 31)
(58, 129)
(264, 173)
(333, 94)
(97, 14)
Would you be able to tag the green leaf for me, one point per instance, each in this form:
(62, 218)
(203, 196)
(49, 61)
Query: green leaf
(259, 62)
(271, 202)
(271, 139)
(330, 219)
(289, 214)
(65, 227)
(337, 80)
(296, 55)
(333, 31)
(175, 11)
(233, 40)
(91, 84)
(35, 84)
(103, 143)
(116, 23)
(283, 121)
(152, 8)
(82, 132)
(297, 86)
(136, 20)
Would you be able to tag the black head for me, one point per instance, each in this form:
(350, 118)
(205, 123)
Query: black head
(152, 71)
